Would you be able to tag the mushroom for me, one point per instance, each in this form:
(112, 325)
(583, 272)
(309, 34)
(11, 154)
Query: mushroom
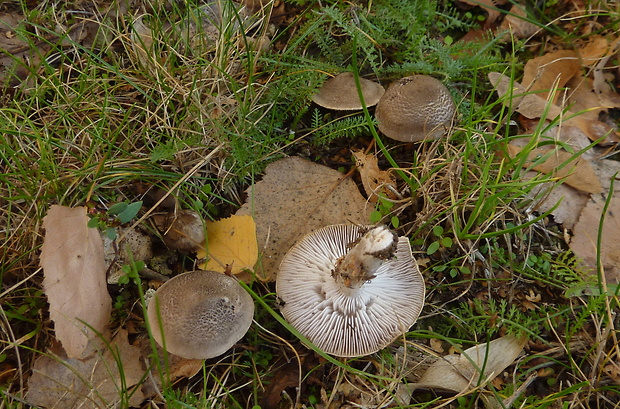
(340, 93)
(415, 108)
(182, 230)
(351, 290)
(200, 314)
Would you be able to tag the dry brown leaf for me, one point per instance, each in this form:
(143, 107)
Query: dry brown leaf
(533, 106)
(374, 180)
(585, 234)
(550, 71)
(517, 25)
(231, 245)
(593, 51)
(529, 105)
(94, 382)
(459, 373)
(74, 279)
(582, 98)
(577, 173)
(295, 197)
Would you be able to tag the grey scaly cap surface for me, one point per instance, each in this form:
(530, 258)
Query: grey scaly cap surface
(415, 108)
(202, 314)
(355, 315)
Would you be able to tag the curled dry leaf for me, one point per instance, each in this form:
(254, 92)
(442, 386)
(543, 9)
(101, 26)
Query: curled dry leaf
(295, 197)
(479, 364)
(74, 278)
(231, 245)
(375, 181)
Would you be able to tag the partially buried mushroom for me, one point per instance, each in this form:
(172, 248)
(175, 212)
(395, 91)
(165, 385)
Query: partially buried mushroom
(415, 108)
(200, 314)
(340, 93)
(351, 290)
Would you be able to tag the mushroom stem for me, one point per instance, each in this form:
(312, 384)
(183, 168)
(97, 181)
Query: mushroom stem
(367, 254)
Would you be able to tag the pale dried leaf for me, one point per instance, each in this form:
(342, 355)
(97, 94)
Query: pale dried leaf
(568, 201)
(585, 233)
(142, 42)
(95, 382)
(550, 71)
(231, 245)
(577, 172)
(481, 363)
(295, 197)
(374, 180)
(74, 279)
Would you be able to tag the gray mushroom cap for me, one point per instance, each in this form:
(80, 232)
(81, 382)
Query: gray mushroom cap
(415, 108)
(357, 314)
(200, 314)
(340, 93)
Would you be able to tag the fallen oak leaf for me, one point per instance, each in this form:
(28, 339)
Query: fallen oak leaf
(74, 278)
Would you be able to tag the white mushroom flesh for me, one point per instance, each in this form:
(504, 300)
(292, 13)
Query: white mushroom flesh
(351, 320)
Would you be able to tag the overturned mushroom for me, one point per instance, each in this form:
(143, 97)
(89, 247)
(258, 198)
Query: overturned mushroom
(340, 93)
(415, 108)
(200, 314)
(351, 290)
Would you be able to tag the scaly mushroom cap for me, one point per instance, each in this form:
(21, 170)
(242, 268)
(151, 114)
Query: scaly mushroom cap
(351, 290)
(202, 314)
(415, 108)
(340, 93)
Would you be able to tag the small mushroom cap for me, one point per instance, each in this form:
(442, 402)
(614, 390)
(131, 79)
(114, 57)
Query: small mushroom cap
(202, 314)
(415, 108)
(182, 230)
(343, 320)
(340, 93)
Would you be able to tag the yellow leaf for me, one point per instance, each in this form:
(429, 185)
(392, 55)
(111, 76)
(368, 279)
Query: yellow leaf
(230, 242)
